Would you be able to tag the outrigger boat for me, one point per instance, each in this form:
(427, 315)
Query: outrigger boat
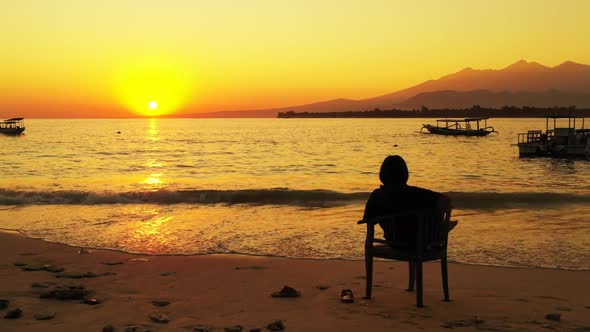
(463, 127)
(557, 140)
(14, 126)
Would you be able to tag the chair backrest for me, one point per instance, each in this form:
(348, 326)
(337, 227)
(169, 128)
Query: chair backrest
(421, 230)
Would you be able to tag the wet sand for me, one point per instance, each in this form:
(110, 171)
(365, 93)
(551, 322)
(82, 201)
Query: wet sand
(221, 291)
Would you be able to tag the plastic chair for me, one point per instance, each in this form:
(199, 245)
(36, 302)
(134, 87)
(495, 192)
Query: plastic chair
(414, 236)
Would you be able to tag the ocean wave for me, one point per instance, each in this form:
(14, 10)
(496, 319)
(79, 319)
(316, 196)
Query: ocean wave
(275, 196)
(282, 196)
(515, 200)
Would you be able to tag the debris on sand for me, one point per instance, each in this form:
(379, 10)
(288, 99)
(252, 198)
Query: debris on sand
(137, 328)
(277, 325)
(160, 303)
(91, 301)
(462, 323)
(42, 284)
(53, 269)
(159, 318)
(250, 267)
(31, 268)
(84, 275)
(287, 291)
(113, 263)
(44, 315)
(13, 314)
(108, 328)
(48, 268)
(62, 292)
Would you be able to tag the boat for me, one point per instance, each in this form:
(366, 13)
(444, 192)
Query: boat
(558, 140)
(463, 127)
(14, 126)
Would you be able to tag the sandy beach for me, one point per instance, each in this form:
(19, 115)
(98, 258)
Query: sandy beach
(221, 291)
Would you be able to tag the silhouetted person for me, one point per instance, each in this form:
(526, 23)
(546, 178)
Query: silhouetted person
(395, 196)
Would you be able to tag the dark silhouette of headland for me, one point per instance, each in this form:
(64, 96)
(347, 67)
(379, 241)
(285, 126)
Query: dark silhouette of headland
(475, 111)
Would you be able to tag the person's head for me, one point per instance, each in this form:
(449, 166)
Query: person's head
(394, 171)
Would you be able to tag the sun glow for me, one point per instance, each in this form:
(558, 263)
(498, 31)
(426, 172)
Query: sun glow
(153, 88)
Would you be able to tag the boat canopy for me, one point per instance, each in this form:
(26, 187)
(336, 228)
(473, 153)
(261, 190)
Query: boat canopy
(14, 119)
(564, 117)
(571, 120)
(462, 120)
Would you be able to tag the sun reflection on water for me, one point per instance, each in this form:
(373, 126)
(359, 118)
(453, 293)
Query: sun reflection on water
(153, 131)
(152, 235)
(154, 182)
(153, 163)
(152, 227)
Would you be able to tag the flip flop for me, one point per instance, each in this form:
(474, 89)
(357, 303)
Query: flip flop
(286, 292)
(346, 296)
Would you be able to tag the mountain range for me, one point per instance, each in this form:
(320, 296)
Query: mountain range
(520, 84)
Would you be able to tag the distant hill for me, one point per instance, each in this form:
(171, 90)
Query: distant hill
(522, 83)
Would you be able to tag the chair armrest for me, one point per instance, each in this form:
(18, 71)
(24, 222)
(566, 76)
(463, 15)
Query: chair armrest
(452, 224)
(381, 241)
(373, 221)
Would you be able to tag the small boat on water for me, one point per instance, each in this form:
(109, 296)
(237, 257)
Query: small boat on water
(463, 127)
(14, 126)
(558, 140)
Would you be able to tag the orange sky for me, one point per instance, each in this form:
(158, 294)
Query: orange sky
(110, 58)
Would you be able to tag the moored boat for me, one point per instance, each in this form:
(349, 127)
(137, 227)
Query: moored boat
(14, 126)
(460, 127)
(558, 140)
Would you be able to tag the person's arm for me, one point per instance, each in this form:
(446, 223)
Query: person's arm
(370, 208)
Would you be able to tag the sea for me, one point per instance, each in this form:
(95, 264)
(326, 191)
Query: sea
(285, 187)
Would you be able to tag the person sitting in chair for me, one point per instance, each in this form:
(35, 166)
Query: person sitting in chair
(395, 196)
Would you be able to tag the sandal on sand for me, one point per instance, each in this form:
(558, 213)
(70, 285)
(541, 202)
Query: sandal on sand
(346, 296)
(286, 292)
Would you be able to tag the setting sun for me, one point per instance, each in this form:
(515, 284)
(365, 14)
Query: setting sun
(153, 87)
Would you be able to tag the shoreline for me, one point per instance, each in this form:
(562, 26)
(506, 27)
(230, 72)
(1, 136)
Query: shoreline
(18, 233)
(226, 290)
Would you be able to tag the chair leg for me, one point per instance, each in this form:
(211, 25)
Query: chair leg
(419, 290)
(445, 278)
(412, 276)
(369, 277)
